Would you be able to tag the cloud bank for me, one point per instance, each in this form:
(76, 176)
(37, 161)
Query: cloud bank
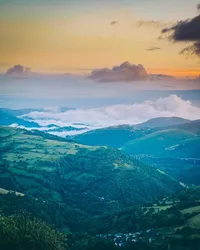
(18, 70)
(125, 72)
(117, 114)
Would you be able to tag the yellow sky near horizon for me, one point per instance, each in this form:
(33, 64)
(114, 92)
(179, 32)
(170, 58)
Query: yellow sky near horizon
(80, 43)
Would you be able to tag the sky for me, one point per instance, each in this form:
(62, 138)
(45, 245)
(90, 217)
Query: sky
(78, 36)
(43, 91)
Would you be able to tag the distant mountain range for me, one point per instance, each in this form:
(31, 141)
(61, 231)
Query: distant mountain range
(9, 117)
(18, 117)
(162, 122)
(170, 144)
(14, 117)
(118, 136)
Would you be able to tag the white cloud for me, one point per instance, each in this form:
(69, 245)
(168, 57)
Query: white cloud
(45, 129)
(68, 133)
(53, 130)
(118, 114)
(125, 72)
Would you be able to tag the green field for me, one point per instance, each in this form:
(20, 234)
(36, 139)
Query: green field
(194, 222)
(191, 210)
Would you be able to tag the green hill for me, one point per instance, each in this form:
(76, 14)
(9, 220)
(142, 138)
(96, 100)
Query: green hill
(173, 149)
(162, 122)
(185, 148)
(158, 142)
(165, 216)
(114, 137)
(91, 179)
(193, 127)
(144, 138)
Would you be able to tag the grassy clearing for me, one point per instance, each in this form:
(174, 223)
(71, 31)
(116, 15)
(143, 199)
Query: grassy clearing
(160, 208)
(191, 210)
(12, 157)
(194, 222)
(5, 191)
(72, 151)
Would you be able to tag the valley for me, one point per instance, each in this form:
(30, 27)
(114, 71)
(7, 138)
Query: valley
(123, 186)
(171, 148)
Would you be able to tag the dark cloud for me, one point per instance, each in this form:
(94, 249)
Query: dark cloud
(152, 23)
(18, 70)
(149, 23)
(154, 77)
(153, 48)
(113, 23)
(125, 72)
(186, 31)
(198, 6)
(193, 49)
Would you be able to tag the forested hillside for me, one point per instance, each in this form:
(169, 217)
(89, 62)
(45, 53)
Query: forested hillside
(169, 221)
(172, 149)
(52, 168)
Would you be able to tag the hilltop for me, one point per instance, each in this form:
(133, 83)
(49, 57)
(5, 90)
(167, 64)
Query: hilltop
(8, 117)
(117, 136)
(162, 122)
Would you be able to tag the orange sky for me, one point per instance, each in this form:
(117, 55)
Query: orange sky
(79, 38)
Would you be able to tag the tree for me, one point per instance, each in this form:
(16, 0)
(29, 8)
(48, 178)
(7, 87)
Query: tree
(19, 232)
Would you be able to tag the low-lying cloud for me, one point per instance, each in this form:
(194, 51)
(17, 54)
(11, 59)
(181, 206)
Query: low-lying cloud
(18, 70)
(54, 130)
(125, 72)
(118, 114)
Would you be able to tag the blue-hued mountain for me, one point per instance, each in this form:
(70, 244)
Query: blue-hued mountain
(18, 112)
(162, 122)
(8, 117)
(165, 143)
(24, 111)
(174, 141)
(140, 139)
(13, 116)
(93, 179)
(173, 149)
(115, 136)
